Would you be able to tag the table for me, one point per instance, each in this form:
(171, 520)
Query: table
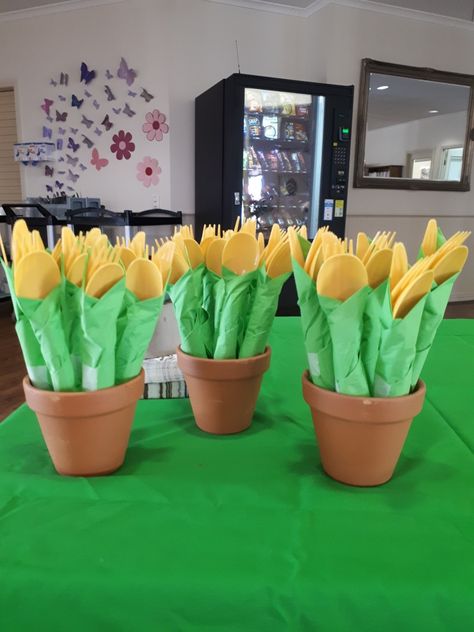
(246, 533)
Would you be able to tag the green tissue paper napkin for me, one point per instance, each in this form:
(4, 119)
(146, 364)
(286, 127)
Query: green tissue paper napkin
(262, 312)
(433, 313)
(99, 326)
(372, 330)
(346, 324)
(30, 347)
(316, 334)
(187, 301)
(45, 317)
(238, 290)
(135, 328)
(394, 370)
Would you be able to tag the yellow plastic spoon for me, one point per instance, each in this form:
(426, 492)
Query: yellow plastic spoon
(341, 276)
(92, 236)
(106, 276)
(295, 247)
(137, 245)
(194, 252)
(280, 262)
(261, 243)
(144, 279)
(399, 265)
(316, 264)
(450, 264)
(378, 267)
(362, 245)
(214, 256)
(75, 274)
(240, 254)
(127, 256)
(415, 291)
(205, 243)
(428, 245)
(36, 275)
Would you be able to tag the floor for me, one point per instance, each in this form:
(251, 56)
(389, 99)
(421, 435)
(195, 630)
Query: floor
(13, 370)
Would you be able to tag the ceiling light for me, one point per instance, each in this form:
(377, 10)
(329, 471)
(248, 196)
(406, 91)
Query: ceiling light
(382, 88)
(433, 111)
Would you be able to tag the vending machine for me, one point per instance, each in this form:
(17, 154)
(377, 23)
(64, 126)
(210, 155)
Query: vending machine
(274, 149)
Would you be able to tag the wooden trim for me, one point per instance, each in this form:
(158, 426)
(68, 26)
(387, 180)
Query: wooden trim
(426, 74)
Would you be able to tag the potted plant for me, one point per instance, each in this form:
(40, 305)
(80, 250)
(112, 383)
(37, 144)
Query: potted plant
(85, 314)
(369, 320)
(225, 293)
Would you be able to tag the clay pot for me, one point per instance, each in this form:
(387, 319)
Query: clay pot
(361, 438)
(86, 433)
(223, 393)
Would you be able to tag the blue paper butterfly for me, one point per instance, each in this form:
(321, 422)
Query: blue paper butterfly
(86, 74)
(75, 102)
(72, 145)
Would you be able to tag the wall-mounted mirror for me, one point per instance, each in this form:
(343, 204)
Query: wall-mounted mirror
(415, 128)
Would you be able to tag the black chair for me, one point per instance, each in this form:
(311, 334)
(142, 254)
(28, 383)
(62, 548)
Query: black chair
(41, 219)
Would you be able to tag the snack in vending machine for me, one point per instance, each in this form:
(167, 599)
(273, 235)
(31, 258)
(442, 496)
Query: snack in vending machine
(295, 161)
(262, 160)
(271, 103)
(255, 127)
(300, 132)
(253, 163)
(271, 126)
(287, 104)
(303, 109)
(302, 161)
(253, 101)
(272, 160)
(288, 130)
(286, 161)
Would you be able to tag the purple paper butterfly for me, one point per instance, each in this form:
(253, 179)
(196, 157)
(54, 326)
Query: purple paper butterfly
(59, 185)
(108, 74)
(72, 160)
(59, 144)
(109, 93)
(72, 145)
(128, 111)
(132, 94)
(86, 74)
(49, 188)
(95, 104)
(82, 167)
(47, 132)
(61, 173)
(53, 83)
(75, 102)
(87, 122)
(146, 95)
(48, 171)
(61, 97)
(72, 177)
(74, 130)
(117, 110)
(61, 131)
(98, 131)
(87, 94)
(87, 141)
(64, 79)
(107, 123)
(61, 116)
(126, 73)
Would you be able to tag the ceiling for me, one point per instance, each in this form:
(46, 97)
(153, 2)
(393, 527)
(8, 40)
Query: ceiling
(461, 9)
(411, 99)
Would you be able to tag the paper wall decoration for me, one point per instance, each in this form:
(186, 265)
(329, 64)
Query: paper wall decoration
(109, 93)
(59, 185)
(122, 145)
(97, 162)
(108, 74)
(126, 73)
(49, 188)
(148, 172)
(48, 171)
(59, 144)
(46, 105)
(72, 160)
(107, 123)
(61, 97)
(53, 83)
(61, 131)
(128, 111)
(72, 145)
(87, 75)
(155, 125)
(132, 94)
(64, 79)
(61, 116)
(117, 110)
(87, 94)
(72, 177)
(87, 141)
(73, 130)
(95, 103)
(61, 173)
(47, 132)
(146, 95)
(82, 167)
(87, 122)
(98, 131)
(75, 102)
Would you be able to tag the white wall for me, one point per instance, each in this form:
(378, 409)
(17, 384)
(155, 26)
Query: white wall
(182, 47)
(390, 145)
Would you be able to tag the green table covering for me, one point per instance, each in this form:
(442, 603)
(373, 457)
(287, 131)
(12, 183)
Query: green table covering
(246, 532)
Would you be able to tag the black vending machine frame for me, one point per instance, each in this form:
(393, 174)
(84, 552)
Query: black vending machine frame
(219, 146)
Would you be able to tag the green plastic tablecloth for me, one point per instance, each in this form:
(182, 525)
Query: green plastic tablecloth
(245, 532)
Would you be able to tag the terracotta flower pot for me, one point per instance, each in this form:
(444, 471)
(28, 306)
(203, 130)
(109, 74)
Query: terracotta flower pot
(86, 433)
(223, 393)
(361, 438)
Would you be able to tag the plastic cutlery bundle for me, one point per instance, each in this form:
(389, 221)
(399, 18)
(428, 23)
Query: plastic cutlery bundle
(85, 312)
(225, 288)
(368, 317)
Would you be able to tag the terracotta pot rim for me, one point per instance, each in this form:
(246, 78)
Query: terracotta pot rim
(223, 370)
(83, 403)
(360, 409)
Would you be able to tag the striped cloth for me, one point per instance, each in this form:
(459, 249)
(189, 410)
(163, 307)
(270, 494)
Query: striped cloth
(163, 379)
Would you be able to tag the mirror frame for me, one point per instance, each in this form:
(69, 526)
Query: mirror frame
(369, 66)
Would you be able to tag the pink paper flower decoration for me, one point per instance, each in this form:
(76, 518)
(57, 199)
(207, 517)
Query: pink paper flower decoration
(155, 125)
(122, 145)
(148, 171)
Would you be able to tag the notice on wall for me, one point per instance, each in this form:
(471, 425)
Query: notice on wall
(339, 208)
(328, 209)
